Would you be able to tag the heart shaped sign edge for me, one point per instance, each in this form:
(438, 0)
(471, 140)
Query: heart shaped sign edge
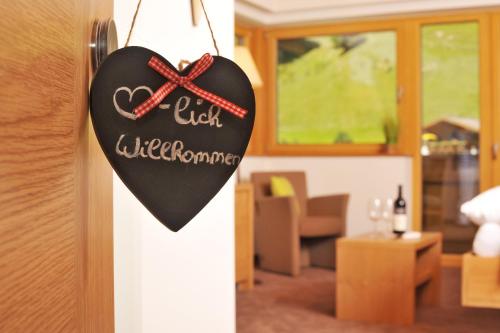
(112, 121)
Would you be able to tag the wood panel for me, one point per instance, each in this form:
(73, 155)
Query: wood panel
(451, 260)
(495, 75)
(485, 103)
(260, 126)
(253, 39)
(481, 281)
(244, 235)
(56, 245)
(412, 116)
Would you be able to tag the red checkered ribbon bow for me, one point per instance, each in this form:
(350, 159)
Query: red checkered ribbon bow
(175, 80)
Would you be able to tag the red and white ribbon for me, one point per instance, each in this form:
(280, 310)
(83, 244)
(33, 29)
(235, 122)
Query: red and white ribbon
(175, 80)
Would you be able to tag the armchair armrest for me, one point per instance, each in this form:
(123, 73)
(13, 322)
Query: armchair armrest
(330, 205)
(277, 234)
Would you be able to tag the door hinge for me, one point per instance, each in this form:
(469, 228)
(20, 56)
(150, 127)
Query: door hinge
(400, 93)
(494, 150)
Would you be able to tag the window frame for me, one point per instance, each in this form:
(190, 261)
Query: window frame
(487, 56)
(245, 33)
(272, 36)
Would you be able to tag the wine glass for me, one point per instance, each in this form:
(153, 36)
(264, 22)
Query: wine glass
(375, 212)
(387, 215)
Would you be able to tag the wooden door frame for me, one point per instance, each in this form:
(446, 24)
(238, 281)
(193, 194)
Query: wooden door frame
(96, 217)
(495, 86)
(485, 102)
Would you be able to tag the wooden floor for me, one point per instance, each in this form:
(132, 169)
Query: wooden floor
(280, 304)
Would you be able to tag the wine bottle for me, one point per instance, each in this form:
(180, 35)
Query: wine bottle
(400, 222)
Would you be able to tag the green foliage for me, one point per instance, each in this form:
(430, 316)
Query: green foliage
(343, 137)
(390, 126)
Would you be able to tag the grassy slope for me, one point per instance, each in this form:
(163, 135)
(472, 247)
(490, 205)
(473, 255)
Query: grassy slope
(450, 71)
(324, 93)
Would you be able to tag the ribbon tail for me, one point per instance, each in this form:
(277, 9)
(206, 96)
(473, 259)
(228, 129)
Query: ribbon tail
(155, 99)
(216, 100)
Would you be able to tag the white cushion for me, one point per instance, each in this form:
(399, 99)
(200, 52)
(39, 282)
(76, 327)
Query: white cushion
(484, 208)
(487, 240)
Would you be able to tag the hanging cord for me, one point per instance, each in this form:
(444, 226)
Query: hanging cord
(133, 22)
(210, 27)
(204, 12)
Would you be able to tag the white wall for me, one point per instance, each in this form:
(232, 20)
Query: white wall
(361, 177)
(184, 281)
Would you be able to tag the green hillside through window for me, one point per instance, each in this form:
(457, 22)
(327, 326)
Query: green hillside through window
(336, 89)
(342, 88)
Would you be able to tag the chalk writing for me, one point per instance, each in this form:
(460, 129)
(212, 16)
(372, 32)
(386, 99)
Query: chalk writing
(210, 118)
(156, 149)
(182, 115)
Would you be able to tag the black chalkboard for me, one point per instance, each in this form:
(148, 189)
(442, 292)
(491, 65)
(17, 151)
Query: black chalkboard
(178, 156)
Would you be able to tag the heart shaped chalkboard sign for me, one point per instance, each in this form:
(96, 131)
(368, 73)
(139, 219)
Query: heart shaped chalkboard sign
(174, 138)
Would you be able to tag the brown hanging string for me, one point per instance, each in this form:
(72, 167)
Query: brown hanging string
(209, 27)
(133, 22)
(204, 11)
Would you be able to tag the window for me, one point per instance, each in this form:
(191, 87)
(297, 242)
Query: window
(337, 89)
(370, 87)
(450, 129)
(450, 50)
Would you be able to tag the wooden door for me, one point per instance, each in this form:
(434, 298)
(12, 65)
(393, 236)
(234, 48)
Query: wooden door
(454, 163)
(56, 245)
(495, 124)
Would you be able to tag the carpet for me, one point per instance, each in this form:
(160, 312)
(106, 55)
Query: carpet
(280, 304)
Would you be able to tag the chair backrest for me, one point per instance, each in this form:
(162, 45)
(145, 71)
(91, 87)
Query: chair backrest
(262, 185)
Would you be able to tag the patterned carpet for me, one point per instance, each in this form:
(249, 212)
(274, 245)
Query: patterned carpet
(281, 304)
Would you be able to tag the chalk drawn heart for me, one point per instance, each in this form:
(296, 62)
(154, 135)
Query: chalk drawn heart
(176, 157)
(122, 112)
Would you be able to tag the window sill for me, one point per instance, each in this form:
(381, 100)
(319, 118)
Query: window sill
(333, 150)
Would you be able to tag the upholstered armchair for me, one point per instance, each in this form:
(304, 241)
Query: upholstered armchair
(287, 238)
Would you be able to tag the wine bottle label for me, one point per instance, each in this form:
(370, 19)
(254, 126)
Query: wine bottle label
(400, 222)
(400, 210)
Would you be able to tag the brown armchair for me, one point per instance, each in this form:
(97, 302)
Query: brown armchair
(284, 239)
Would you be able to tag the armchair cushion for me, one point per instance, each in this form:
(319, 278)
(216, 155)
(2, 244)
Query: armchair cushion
(262, 184)
(281, 187)
(318, 226)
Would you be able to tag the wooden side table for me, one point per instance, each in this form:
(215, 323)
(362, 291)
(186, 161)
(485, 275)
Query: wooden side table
(380, 280)
(243, 229)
